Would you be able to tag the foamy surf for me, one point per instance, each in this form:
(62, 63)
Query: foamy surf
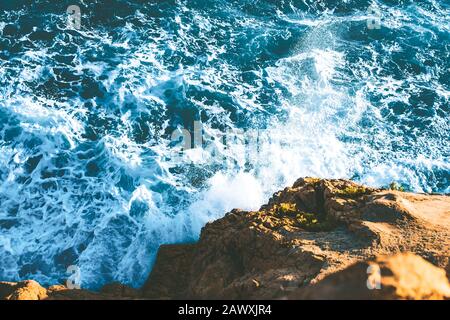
(89, 174)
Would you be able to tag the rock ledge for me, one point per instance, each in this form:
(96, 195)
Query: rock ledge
(319, 239)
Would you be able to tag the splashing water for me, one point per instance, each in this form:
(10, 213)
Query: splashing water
(87, 173)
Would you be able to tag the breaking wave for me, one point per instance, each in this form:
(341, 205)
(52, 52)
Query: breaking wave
(89, 172)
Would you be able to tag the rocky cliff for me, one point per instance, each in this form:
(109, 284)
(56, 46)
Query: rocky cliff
(319, 239)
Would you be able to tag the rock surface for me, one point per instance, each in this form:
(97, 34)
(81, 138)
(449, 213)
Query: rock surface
(401, 276)
(24, 290)
(31, 290)
(305, 232)
(313, 240)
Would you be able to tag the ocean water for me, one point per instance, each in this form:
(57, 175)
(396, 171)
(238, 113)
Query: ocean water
(91, 174)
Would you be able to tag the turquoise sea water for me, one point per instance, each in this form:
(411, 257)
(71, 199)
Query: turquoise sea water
(88, 173)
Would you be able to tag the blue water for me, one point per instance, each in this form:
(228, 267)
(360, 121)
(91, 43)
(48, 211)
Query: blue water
(88, 172)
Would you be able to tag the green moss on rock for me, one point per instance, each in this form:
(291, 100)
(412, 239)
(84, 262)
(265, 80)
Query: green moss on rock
(353, 191)
(305, 220)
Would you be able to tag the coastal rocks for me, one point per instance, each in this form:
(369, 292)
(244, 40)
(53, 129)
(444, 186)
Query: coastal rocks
(24, 290)
(112, 291)
(174, 259)
(304, 233)
(319, 239)
(401, 276)
(31, 290)
(116, 289)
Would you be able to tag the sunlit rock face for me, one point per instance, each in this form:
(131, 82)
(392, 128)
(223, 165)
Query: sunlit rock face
(319, 239)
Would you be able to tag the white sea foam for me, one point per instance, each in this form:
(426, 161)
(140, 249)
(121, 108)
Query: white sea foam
(107, 200)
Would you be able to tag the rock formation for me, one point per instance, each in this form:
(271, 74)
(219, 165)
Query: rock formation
(304, 233)
(319, 239)
(31, 290)
(400, 276)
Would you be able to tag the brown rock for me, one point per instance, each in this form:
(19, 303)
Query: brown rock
(63, 293)
(31, 290)
(6, 288)
(24, 290)
(401, 276)
(175, 259)
(119, 290)
(305, 232)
